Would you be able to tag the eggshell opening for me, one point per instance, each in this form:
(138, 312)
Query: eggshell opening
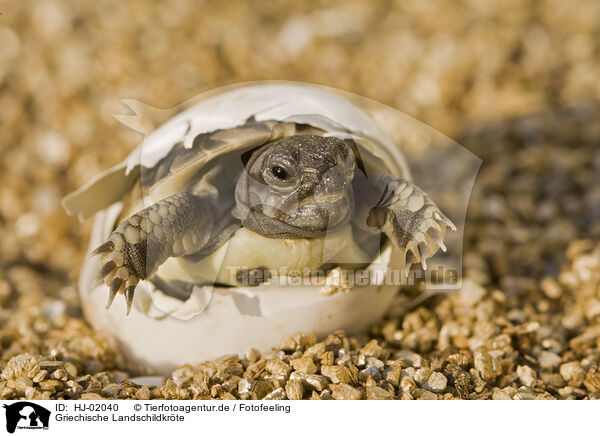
(162, 332)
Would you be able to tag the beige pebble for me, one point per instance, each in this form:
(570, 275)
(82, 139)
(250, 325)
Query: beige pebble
(304, 364)
(527, 375)
(436, 383)
(378, 393)
(343, 391)
(573, 373)
(549, 360)
(294, 389)
(551, 287)
(501, 395)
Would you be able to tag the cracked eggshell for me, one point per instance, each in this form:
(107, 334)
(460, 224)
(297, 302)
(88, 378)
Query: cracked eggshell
(162, 332)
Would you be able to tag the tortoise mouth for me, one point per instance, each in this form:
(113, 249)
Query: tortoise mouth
(320, 212)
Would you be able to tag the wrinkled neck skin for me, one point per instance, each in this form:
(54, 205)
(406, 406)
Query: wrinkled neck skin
(256, 210)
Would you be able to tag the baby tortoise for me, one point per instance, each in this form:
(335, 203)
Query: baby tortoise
(262, 196)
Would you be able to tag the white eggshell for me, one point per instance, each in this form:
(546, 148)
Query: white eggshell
(162, 332)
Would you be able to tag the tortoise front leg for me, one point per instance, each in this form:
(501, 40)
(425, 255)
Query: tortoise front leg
(410, 219)
(175, 226)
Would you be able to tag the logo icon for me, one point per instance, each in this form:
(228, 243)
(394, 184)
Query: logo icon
(26, 415)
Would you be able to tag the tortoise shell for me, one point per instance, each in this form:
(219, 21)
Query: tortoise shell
(236, 121)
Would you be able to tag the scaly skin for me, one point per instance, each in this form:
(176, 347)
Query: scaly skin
(183, 223)
(175, 226)
(410, 219)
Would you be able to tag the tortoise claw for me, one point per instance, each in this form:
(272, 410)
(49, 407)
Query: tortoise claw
(129, 291)
(443, 218)
(408, 261)
(418, 226)
(104, 271)
(104, 248)
(423, 254)
(117, 271)
(433, 234)
(114, 289)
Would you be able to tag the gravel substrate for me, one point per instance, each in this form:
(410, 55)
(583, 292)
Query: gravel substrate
(515, 82)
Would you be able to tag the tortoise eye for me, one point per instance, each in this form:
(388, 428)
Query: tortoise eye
(279, 172)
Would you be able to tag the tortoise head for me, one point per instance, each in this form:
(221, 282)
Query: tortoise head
(302, 181)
